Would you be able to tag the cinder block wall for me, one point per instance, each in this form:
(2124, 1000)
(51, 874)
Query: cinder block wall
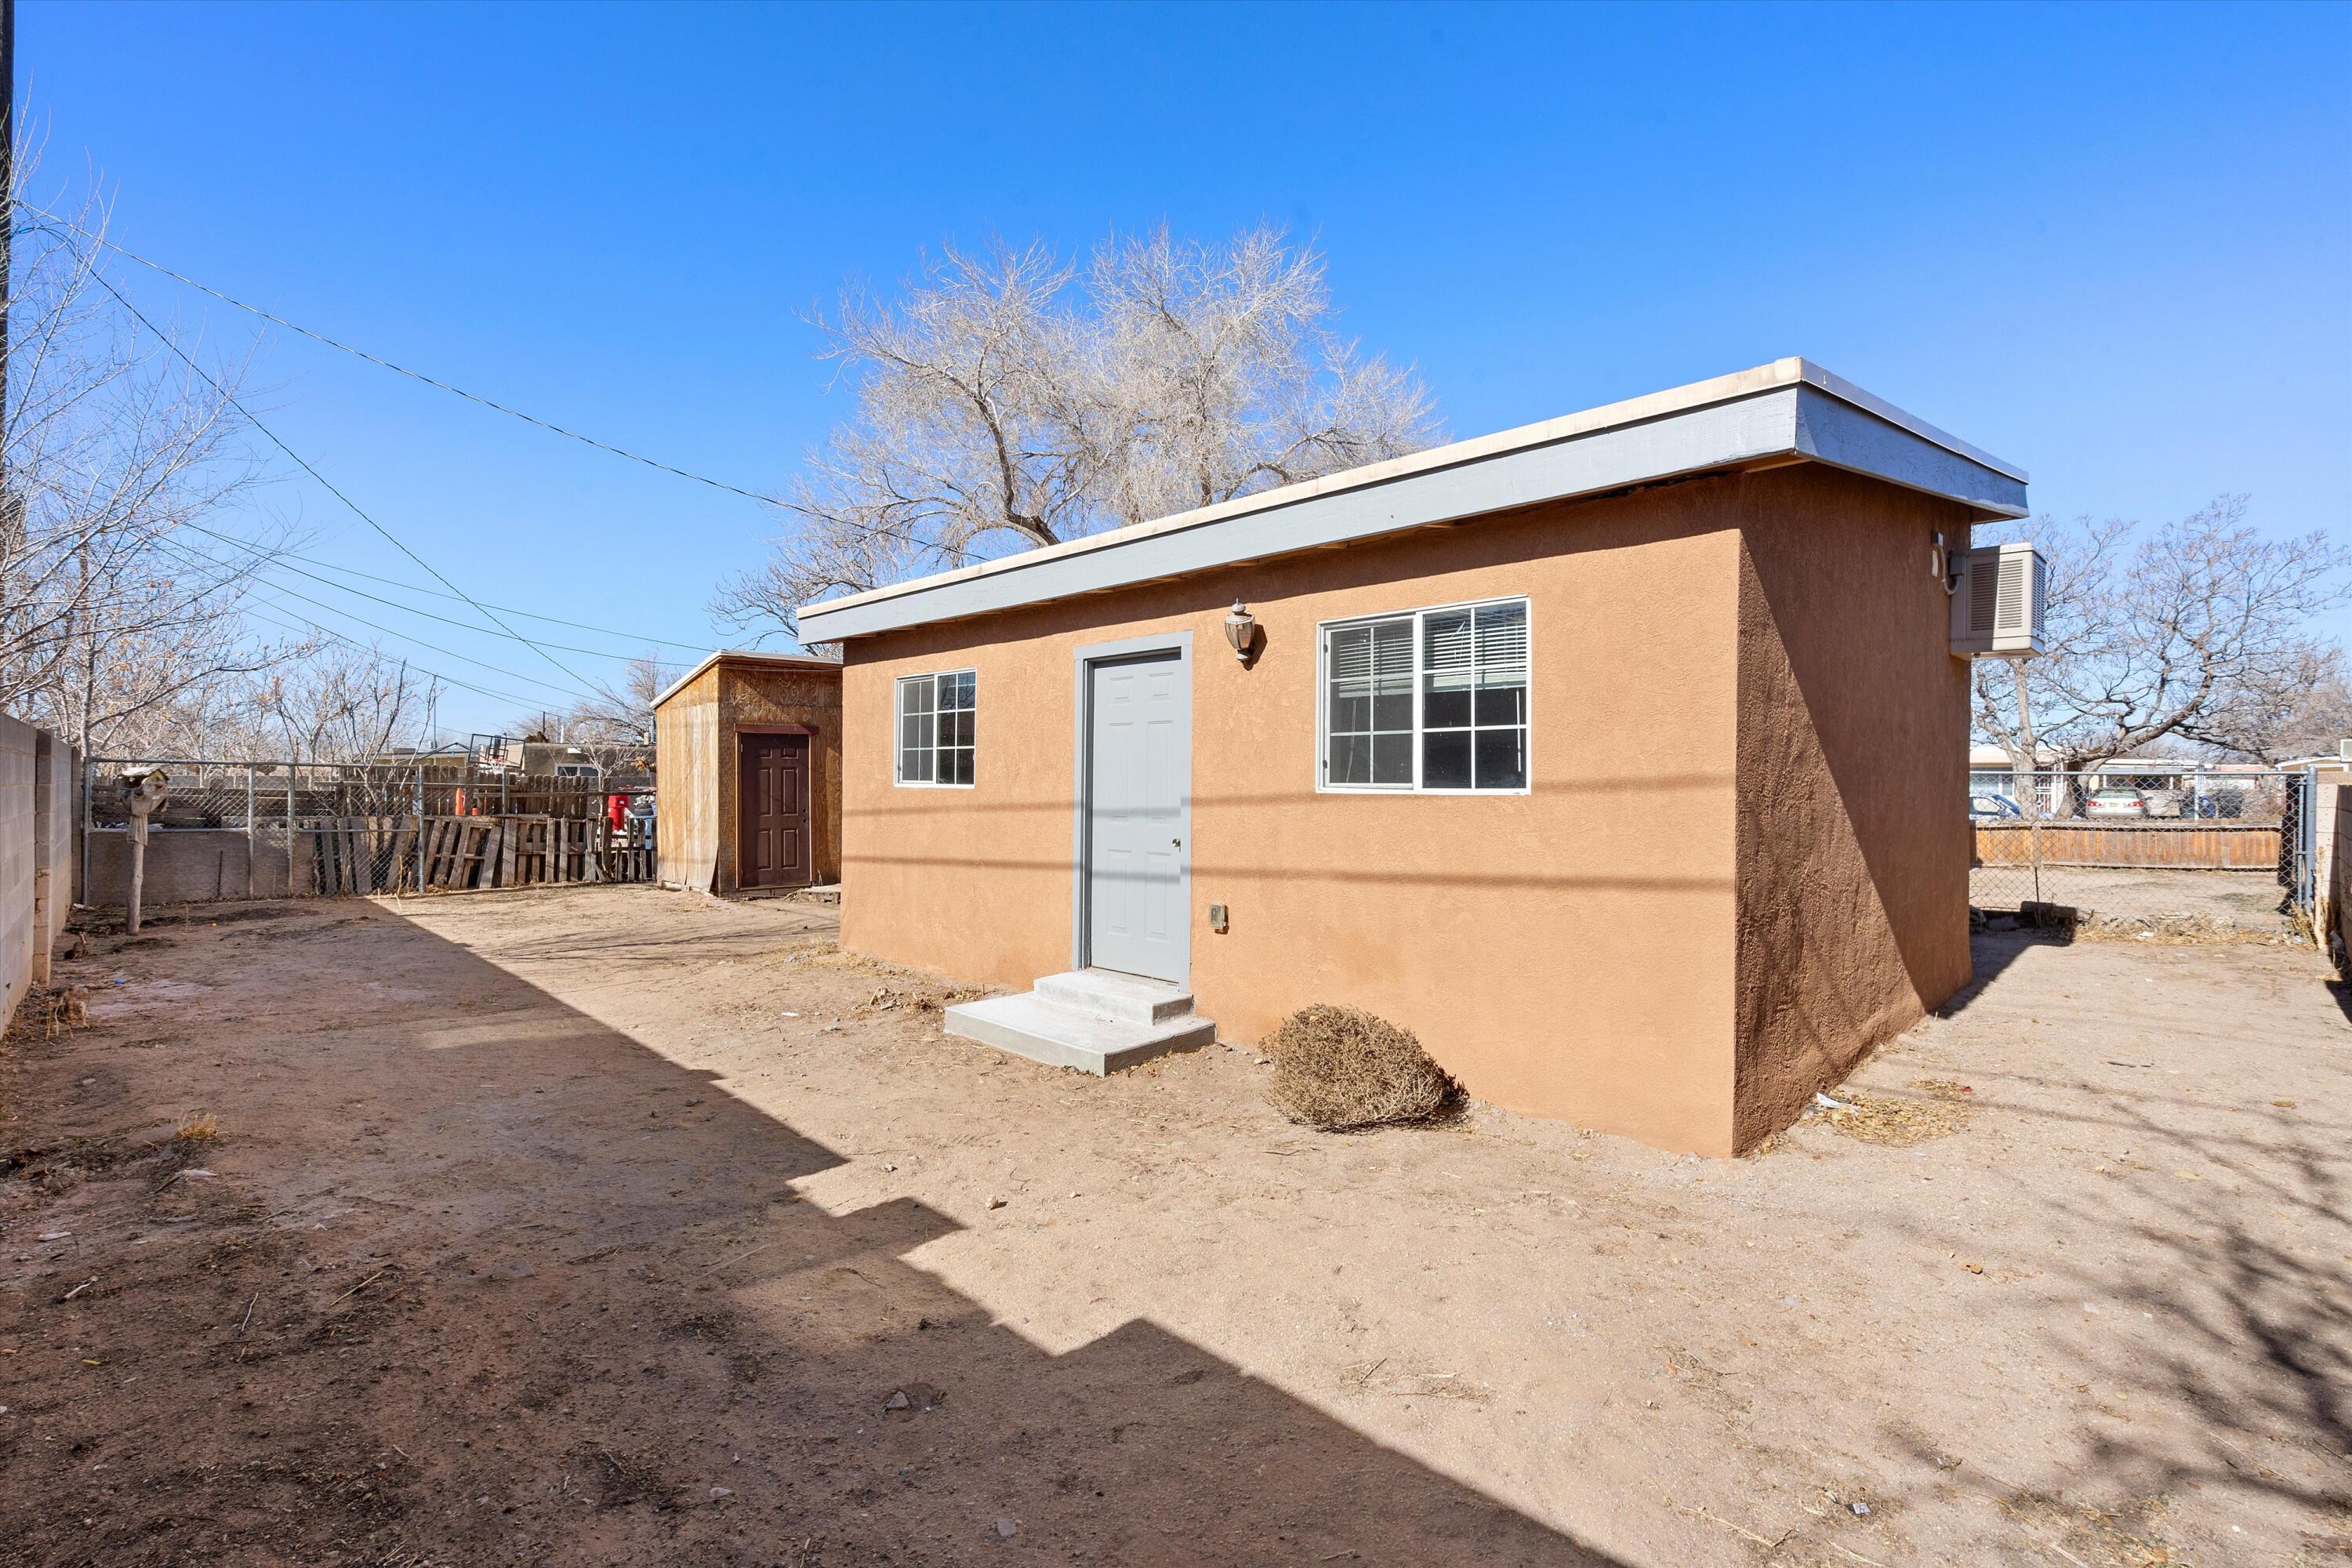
(55, 767)
(19, 748)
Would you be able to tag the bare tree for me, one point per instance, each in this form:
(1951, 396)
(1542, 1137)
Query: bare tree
(1009, 400)
(114, 614)
(2197, 632)
(337, 704)
(2317, 718)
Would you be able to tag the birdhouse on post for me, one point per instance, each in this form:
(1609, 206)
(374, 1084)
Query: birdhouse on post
(143, 797)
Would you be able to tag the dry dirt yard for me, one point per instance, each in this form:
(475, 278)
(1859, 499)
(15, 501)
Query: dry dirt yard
(609, 1226)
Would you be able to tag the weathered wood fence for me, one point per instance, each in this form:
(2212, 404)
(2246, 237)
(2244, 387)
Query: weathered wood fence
(401, 854)
(2132, 842)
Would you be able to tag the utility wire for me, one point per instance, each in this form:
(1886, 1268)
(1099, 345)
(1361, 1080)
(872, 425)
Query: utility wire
(548, 425)
(279, 565)
(280, 556)
(203, 559)
(765, 499)
(309, 627)
(360, 511)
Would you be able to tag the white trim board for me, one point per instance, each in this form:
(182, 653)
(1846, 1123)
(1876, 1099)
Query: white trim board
(1788, 408)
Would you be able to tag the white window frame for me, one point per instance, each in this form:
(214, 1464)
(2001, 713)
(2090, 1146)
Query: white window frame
(898, 722)
(1323, 630)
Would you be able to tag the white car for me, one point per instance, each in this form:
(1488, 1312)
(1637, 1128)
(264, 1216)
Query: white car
(2116, 803)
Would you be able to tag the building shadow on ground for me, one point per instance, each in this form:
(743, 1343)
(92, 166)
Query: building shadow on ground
(605, 1326)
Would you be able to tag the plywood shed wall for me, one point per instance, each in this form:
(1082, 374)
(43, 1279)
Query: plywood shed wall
(696, 728)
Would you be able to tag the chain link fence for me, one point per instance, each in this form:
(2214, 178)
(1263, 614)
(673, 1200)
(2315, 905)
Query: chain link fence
(242, 830)
(2193, 848)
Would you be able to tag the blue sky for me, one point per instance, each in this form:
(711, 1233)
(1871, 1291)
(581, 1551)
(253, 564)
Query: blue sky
(2111, 243)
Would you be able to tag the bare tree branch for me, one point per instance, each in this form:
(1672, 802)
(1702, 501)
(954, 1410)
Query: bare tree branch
(1000, 408)
(2196, 635)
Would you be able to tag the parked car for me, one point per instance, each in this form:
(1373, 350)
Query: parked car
(1987, 807)
(2116, 803)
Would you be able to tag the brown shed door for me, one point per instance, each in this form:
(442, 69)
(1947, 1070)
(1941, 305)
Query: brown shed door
(771, 803)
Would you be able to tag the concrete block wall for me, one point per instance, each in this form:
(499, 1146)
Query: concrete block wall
(38, 820)
(19, 754)
(57, 776)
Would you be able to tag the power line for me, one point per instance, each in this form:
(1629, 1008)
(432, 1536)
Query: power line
(357, 509)
(198, 556)
(280, 556)
(309, 627)
(765, 499)
(357, 353)
(279, 565)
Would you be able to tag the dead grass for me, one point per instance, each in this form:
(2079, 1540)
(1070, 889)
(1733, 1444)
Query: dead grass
(198, 1128)
(1901, 1122)
(1341, 1070)
(46, 1014)
(2181, 930)
(2096, 1537)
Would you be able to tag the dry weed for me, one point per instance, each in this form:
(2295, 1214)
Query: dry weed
(1338, 1068)
(2096, 1537)
(198, 1127)
(2180, 930)
(1900, 1123)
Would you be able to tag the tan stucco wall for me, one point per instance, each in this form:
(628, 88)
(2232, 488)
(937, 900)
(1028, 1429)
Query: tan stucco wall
(1853, 828)
(695, 737)
(1568, 952)
(1743, 863)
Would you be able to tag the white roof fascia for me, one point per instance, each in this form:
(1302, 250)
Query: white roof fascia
(673, 688)
(1788, 407)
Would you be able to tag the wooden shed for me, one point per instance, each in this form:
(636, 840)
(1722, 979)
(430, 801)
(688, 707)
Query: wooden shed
(747, 773)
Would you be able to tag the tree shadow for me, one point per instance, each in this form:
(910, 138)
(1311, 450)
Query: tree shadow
(2206, 1317)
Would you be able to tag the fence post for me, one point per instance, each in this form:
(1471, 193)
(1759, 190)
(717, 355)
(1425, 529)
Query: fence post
(420, 826)
(249, 840)
(291, 891)
(88, 819)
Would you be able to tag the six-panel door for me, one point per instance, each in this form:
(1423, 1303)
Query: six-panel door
(772, 804)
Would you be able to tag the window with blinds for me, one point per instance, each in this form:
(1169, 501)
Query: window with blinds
(936, 719)
(1432, 701)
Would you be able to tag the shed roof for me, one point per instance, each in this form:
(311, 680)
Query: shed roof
(746, 656)
(1791, 408)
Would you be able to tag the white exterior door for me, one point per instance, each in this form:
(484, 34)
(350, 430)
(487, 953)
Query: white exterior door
(1139, 774)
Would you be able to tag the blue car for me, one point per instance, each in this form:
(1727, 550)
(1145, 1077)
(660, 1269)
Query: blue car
(1987, 807)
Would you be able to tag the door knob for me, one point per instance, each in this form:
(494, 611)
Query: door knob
(1176, 844)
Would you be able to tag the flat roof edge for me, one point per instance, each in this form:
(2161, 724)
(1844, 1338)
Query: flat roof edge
(1927, 458)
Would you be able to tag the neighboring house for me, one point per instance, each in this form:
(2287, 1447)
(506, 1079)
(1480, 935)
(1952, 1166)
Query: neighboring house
(618, 767)
(442, 765)
(1610, 755)
(749, 774)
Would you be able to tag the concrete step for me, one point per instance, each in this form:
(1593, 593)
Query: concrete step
(1130, 998)
(1045, 1031)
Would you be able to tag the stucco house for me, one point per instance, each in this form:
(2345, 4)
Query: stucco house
(1620, 757)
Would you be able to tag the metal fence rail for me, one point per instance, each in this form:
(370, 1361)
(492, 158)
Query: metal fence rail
(2196, 847)
(297, 829)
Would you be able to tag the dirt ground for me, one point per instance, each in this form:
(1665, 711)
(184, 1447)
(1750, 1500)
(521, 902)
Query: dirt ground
(2248, 900)
(606, 1225)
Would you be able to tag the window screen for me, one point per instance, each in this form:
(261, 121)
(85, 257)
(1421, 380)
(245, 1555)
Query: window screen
(1435, 700)
(936, 719)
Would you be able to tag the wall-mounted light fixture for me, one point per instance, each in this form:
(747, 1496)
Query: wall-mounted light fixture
(1241, 630)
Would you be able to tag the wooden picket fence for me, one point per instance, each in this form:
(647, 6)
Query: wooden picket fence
(383, 854)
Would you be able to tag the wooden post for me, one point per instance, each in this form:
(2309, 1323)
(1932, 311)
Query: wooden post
(248, 830)
(142, 797)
